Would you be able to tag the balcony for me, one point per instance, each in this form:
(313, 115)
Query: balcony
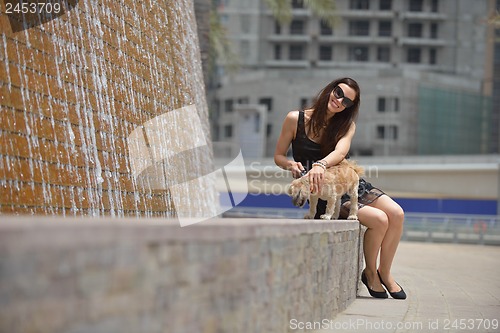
(417, 41)
(288, 63)
(423, 16)
(289, 38)
(368, 14)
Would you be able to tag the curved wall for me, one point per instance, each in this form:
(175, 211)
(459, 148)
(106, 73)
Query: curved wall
(97, 99)
(225, 275)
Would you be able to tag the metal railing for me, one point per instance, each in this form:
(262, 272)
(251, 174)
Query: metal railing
(426, 227)
(452, 228)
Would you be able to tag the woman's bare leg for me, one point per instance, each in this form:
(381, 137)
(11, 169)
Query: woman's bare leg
(377, 223)
(390, 242)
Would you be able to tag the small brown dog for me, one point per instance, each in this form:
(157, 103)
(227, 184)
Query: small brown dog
(339, 179)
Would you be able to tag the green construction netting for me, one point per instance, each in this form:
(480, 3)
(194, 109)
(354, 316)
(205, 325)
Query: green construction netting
(453, 122)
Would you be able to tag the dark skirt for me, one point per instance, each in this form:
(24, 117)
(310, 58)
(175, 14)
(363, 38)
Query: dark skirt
(367, 194)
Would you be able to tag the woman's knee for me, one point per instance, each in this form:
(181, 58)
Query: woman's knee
(377, 220)
(396, 215)
(392, 209)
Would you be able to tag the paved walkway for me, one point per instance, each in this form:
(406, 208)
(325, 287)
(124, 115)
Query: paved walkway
(450, 288)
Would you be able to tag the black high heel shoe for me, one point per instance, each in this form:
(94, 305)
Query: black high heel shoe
(373, 293)
(396, 295)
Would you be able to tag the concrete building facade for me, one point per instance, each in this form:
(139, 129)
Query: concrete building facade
(394, 49)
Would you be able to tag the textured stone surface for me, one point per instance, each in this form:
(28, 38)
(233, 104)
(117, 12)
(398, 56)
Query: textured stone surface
(224, 275)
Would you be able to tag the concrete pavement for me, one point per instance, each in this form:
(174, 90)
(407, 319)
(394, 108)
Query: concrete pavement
(450, 288)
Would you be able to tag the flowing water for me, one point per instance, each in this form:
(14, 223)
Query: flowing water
(103, 112)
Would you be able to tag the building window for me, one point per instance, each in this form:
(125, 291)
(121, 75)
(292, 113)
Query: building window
(277, 28)
(358, 53)
(268, 102)
(387, 132)
(380, 132)
(228, 105)
(385, 5)
(296, 52)
(381, 107)
(360, 4)
(277, 52)
(245, 50)
(224, 19)
(245, 23)
(414, 55)
(435, 6)
(243, 100)
(388, 104)
(416, 5)
(384, 54)
(393, 132)
(216, 107)
(385, 28)
(359, 28)
(297, 4)
(432, 56)
(304, 103)
(228, 131)
(297, 27)
(256, 122)
(269, 130)
(325, 52)
(325, 29)
(216, 133)
(222, 3)
(434, 31)
(415, 30)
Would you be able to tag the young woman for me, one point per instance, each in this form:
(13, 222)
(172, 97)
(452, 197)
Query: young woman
(321, 137)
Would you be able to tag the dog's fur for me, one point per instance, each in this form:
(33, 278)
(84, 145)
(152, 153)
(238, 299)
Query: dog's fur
(339, 179)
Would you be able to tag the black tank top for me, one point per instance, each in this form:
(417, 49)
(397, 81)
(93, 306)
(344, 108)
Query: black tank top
(304, 149)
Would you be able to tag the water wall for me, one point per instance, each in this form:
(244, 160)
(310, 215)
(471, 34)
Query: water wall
(103, 110)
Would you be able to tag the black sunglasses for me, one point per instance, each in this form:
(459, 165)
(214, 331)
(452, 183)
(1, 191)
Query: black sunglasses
(339, 93)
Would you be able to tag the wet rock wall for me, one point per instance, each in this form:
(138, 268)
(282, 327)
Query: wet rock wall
(72, 90)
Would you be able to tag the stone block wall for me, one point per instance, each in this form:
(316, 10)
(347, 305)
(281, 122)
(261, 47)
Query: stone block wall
(224, 275)
(74, 86)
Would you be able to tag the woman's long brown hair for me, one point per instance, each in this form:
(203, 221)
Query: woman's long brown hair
(338, 125)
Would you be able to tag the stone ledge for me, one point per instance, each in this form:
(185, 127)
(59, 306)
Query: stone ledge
(102, 230)
(131, 275)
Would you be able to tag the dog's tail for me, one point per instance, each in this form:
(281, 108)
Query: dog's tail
(360, 171)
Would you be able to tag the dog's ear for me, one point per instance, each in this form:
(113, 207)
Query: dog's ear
(304, 188)
(294, 185)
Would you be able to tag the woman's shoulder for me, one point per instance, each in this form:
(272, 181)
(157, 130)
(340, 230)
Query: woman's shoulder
(291, 121)
(292, 116)
(352, 127)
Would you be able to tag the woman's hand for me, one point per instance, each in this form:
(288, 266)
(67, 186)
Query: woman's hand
(296, 168)
(316, 178)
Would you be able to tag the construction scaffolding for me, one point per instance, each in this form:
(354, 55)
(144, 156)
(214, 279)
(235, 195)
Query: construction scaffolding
(453, 122)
